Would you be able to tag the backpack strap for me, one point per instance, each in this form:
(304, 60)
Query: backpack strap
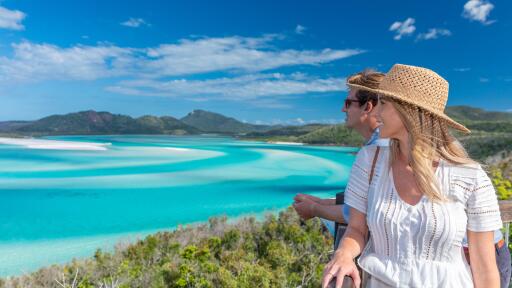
(340, 200)
(374, 162)
(338, 233)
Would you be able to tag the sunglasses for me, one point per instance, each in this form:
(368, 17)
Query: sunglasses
(348, 102)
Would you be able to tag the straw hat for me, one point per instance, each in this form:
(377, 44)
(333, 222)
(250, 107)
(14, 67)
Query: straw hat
(417, 86)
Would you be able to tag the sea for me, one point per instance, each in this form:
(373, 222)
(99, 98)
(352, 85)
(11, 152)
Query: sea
(62, 198)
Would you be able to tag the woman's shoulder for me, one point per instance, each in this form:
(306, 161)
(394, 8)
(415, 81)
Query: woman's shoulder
(469, 170)
(366, 153)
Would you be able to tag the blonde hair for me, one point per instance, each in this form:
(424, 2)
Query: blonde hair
(429, 139)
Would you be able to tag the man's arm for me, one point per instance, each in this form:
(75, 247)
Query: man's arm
(308, 209)
(329, 212)
(303, 197)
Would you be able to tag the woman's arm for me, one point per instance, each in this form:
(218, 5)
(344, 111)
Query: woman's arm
(483, 259)
(351, 245)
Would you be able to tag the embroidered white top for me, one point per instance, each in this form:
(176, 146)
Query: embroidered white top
(420, 245)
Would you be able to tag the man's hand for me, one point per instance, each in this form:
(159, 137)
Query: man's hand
(305, 208)
(302, 197)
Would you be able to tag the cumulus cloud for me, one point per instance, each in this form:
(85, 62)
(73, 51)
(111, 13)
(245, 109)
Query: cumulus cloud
(401, 29)
(434, 33)
(11, 19)
(300, 29)
(478, 10)
(463, 69)
(135, 22)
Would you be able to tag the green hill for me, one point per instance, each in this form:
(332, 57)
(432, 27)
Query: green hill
(92, 122)
(335, 134)
(467, 113)
(8, 126)
(216, 123)
(288, 131)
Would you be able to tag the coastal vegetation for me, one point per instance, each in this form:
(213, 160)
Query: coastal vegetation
(280, 251)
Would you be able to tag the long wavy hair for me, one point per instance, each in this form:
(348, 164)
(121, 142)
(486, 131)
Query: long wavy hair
(429, 140)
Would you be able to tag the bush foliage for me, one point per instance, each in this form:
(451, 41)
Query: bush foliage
(280, 251)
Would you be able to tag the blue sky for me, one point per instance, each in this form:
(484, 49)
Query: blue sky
(258, 61)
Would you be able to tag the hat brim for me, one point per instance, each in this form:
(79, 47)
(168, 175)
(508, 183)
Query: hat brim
(454, 124)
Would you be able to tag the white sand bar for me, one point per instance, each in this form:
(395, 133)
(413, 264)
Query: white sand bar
(287, 143)
(53, 144)
(177, 149)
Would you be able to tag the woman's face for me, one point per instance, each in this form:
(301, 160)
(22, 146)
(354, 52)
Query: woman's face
(391, 123)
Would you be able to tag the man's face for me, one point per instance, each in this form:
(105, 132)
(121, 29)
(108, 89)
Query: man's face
(354, 111)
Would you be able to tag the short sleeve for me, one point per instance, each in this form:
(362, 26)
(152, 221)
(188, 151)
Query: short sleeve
(356, 192)
(346, 212)
(482, 205)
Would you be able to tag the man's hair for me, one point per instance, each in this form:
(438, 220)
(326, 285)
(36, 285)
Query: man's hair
(367, 78)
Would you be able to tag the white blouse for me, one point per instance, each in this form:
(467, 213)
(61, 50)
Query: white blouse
(420, 245)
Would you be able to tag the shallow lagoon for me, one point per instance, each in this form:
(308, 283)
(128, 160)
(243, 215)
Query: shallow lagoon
(58, 202)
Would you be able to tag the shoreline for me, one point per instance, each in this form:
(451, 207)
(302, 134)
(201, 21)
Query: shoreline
(106, 242)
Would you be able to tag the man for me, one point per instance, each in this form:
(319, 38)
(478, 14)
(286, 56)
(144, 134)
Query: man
(359, 107)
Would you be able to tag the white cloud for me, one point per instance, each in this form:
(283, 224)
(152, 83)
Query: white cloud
(234, 54)
(36, 62)
(242, 88)
(463, 69)
(484, 80)
(434, 33)
(300, 29)
(478, 10)
(166, 70)
(242, 55)
(403, 28)
(11, 19)
(135, 22)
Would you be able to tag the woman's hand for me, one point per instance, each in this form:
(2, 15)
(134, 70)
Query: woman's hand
(340, 266)
(352, 243)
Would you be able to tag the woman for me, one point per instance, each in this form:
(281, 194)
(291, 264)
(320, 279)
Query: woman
(424, 195)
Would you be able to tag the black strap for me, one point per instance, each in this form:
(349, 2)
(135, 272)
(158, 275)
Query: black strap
(340, 200)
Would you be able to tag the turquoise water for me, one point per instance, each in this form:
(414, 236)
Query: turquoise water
(56, 205)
